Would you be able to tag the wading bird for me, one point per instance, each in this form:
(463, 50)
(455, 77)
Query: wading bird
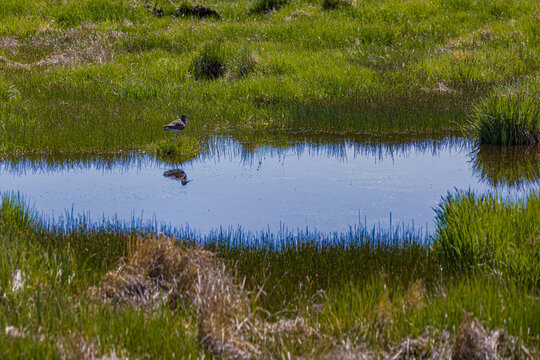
(177, 125)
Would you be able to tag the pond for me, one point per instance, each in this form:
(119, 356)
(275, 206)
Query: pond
(325, 186)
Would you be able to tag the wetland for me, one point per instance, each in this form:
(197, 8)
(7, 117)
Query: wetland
(357, 180)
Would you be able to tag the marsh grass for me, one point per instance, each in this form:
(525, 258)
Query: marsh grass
(100, 76)
(508, 116)
(117, 289)
(487, 232)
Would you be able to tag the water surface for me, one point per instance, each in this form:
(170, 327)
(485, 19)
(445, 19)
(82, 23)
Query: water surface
(323, 186)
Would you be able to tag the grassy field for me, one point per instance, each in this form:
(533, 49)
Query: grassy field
(103, 76)
(78, 289)
(91, 80)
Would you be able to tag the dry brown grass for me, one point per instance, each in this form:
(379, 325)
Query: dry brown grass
(159, 270)
(67, 47)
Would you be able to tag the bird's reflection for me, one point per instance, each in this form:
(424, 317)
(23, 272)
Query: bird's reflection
(177, 174)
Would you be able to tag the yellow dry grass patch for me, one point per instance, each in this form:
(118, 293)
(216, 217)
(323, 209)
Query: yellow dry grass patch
(157, 270)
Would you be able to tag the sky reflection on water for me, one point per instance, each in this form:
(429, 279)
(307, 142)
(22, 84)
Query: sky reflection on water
(321, 186)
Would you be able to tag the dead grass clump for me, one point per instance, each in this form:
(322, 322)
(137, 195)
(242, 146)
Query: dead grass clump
(473, 342)
(158, 270)
(96, 53)
(198, 10)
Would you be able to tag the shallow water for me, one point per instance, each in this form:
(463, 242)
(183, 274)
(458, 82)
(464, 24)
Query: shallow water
(326, 187)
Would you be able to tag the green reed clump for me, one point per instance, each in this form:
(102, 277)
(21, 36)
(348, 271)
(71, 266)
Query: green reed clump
(508, 116)
(267, 5)
(210, 63)
(486, 232)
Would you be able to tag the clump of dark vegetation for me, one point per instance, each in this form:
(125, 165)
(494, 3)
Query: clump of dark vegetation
(508, 116)
(198, 10)
(260, 6)
(335, 4)
(154, 9)
(210, 64)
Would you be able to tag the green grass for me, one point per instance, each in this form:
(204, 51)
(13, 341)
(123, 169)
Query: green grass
(487, 232)
(509, 116)
(104, 76)
(373, 289)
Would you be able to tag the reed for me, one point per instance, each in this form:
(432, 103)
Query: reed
(509, 116)
(487, 232)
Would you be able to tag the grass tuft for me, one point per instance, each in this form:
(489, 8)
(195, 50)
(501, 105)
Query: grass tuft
(246, 64)
(172, 146)
(211, 62)
(508, 116)
(484, 231)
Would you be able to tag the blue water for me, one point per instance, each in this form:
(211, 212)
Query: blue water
(324, 187)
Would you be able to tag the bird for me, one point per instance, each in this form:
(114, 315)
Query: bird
(177, 174)
(177, 125)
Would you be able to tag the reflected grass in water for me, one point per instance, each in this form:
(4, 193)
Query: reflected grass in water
(514, 166)
(249, 146)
